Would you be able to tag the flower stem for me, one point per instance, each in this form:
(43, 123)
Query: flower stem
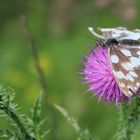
(10, 111)
(128, 120)
(39, 70)
(35, 55)
(123, 125)
(133, 119)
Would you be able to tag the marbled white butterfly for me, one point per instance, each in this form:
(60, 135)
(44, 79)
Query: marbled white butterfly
(124, 57)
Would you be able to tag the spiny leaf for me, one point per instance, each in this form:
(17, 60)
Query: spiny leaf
(129, 120)
(37, 109)
(84, 134)
(25, 128)
(45, 133)
(71, 120)
(37, 121)
(7, 107)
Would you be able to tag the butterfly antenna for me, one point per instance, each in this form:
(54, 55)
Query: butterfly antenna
(87, 36)
(95, 34)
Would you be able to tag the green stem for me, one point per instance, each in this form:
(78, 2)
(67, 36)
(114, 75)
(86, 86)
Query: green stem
(134, 118)
(9, 110)
(123, 125)
(32, 47)
(128, 120)
(40, 72)
(37, 133)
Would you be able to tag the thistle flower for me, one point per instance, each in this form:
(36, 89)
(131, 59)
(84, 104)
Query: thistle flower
(100, 78)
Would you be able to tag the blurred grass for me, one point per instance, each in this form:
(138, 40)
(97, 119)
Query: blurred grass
(60, 58)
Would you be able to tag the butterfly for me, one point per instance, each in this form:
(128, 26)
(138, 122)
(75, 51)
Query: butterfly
(124, 57)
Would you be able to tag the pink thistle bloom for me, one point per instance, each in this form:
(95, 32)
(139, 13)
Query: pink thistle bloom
(100, 78)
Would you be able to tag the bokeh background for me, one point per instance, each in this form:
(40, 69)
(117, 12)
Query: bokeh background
(59, 28)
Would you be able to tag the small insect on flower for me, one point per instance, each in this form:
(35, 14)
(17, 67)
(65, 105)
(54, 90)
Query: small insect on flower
(112, 70)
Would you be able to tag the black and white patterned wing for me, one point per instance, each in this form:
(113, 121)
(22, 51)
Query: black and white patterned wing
(125, 64)
(120, 33)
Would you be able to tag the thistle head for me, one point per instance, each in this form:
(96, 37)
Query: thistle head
(99, 77)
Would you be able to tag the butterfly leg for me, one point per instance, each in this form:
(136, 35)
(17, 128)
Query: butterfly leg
(138, 94)
(100, 44)
(134, 93)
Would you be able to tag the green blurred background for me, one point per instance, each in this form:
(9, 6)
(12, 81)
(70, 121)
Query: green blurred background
(59, 28)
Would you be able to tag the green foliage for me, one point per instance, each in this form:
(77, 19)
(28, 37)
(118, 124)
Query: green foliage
(25, 128)
(123, 118)
(128, 120)
(134, 117)
(83, 134)
(36, 120)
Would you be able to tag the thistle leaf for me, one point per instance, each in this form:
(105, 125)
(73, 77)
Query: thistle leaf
(84, 134)
(71, 120)
(37, 109)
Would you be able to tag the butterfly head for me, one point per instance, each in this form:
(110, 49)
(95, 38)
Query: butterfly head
(111, 41)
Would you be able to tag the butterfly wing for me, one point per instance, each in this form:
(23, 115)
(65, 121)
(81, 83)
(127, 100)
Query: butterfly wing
(125, 64)
(120, 33)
